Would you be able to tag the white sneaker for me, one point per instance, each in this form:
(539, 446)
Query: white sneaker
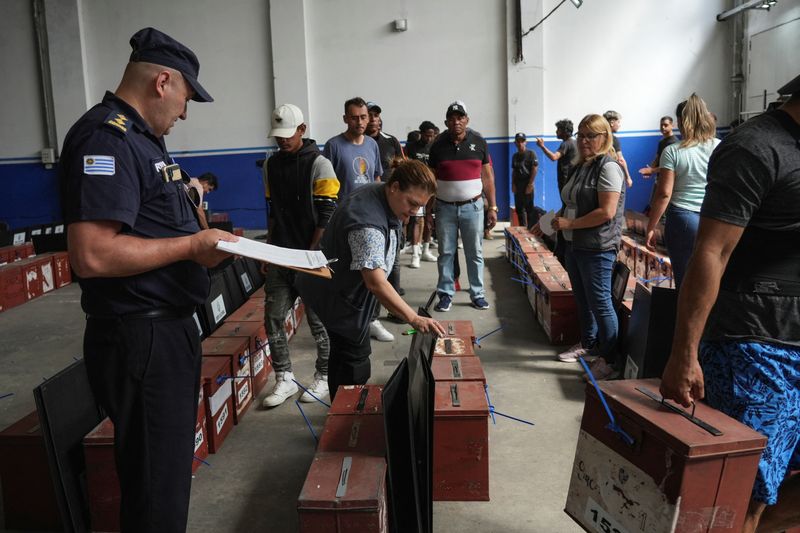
(284, 388)
(415, 257)
(571, 355)
(318, 388)
(407, 249)
(427, 255)
(378, 332)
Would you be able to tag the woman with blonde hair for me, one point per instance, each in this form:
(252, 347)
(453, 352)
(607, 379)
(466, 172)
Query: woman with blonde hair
(591, 222)
(681, 183)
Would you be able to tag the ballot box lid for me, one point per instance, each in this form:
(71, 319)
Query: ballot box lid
(344, 481)
(460, 398)
(678, 433)
(357, 400)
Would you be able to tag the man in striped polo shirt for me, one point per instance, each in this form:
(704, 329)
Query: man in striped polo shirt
(460, 158)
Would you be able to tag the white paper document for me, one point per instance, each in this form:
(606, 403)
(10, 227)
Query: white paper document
(546, 221)
(276, 255)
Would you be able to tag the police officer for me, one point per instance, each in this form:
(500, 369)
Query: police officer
(141, 257)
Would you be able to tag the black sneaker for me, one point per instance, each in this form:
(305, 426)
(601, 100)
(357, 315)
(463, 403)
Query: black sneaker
(480, 303)
(445, 303)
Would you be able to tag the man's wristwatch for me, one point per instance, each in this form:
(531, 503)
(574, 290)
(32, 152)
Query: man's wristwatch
(493, 208)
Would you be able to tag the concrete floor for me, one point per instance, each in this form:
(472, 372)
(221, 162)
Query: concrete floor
(253, 483)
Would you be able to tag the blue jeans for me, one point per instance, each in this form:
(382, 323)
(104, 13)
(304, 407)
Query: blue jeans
(680, 231)
(590, 275)
(468, 219)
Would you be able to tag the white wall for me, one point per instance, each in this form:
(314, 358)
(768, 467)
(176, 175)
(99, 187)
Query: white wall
(231, 40)
(772, 51)
(23, 132)
(452, 50)
(638, 57)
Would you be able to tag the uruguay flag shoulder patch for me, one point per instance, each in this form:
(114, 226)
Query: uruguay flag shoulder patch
(99, 165)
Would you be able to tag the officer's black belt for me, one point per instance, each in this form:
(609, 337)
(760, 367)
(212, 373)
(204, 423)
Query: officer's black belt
(461, 202)
(159, 312)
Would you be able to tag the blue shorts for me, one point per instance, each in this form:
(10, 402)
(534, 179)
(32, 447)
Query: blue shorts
(759, 385)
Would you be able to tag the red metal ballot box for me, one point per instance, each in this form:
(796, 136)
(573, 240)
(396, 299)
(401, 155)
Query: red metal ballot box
(556, 309)
(344, 493)
(251, 311)
(12, 287)
(32, 277)
(357, 400)
(236, 350)
(355, 434)
(458, 369)
(200, 434)
(460, 442)
(672, 474)
(29, 501)
(62, 274)
(217, 397)
(458, 328)
(260, 365)
(454, 346)
(102, 483)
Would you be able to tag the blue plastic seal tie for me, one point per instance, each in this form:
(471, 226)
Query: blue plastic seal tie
(524, 282)
(479, 339)
(511, 417)
(6, 395)
(310, 393)
(308, 423)
(221, 379)
(204, 462)
(613, 426)
(489, 402)
(653, 280)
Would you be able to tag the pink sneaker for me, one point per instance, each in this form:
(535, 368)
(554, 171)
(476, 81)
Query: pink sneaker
(571, 355)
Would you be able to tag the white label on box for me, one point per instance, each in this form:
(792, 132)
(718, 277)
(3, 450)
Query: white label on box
(631, 369)
(258, 362)
(246, 282)
(197, 321)
(597, 517)
(244, 392)
(198, 439)
(223, 416)
(624, 495)
(219, 398)
(218, 309)
(19, 238)
(47, 278)
(48, 230)
(59, 229)
(243, 372)
(36, 231)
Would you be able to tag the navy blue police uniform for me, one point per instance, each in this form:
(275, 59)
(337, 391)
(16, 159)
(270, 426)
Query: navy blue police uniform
(141, 344)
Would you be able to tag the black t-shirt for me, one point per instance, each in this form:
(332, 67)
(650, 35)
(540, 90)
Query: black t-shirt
(754, 182)
(389, 147)
(615, 143)
(663, 143)
(419, 151)
(111, 169)
(521, 165)
(568, 149)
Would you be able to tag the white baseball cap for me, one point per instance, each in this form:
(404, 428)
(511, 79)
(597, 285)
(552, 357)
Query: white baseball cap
(285, 120)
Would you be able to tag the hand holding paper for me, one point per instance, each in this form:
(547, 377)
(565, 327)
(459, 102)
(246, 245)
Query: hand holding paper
(286, 257)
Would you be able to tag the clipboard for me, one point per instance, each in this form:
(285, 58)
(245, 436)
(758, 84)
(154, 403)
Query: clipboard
(309, 261)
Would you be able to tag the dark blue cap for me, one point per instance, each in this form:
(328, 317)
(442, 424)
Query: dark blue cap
(152, 46)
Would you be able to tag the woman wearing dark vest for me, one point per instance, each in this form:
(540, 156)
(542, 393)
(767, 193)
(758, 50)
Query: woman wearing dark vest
(363, 235)
(591, 222)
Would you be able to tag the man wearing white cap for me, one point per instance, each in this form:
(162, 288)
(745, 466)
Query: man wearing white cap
(301, 190)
